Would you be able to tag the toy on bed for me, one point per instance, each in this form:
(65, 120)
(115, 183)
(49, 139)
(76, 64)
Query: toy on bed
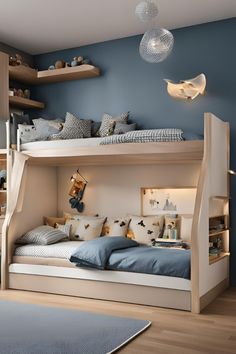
(77, 191)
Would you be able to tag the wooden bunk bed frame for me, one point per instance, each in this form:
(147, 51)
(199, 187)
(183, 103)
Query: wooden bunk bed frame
(207, 280)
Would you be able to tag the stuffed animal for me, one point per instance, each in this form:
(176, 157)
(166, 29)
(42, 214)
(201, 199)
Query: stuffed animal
(77, 61)
(59, 64)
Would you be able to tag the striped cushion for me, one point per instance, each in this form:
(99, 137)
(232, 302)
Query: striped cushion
(42, 235)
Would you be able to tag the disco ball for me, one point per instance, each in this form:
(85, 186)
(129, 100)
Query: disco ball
(156, 45)
(146, 10)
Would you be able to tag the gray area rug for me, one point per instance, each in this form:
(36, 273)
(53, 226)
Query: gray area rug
(34, 329)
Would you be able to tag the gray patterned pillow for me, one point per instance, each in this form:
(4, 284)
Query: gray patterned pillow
(27, 133)
(121, 128)
(95, 128)
(108, 123)
(74, 128)
(45, 128)
(42, 235)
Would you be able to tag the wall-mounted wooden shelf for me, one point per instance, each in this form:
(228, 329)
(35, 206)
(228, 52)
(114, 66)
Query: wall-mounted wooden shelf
(33, 77)
(21, 102)
(23, 74)
(222, 197)
(67, 74)
(218, 258)
(215, 233)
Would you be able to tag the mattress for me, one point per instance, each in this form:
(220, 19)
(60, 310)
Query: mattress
(47, 261)
(62, 250)
(61, 144)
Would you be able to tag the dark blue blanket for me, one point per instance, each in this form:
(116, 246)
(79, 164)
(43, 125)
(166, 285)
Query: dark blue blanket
(120, 253)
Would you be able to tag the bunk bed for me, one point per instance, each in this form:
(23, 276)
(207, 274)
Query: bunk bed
(36, 182)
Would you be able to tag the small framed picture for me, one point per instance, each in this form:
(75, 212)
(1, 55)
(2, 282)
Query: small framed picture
(167, 200)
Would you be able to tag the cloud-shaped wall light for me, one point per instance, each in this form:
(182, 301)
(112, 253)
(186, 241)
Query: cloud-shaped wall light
(187, 89)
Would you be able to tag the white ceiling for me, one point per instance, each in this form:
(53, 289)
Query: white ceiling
(39, 26)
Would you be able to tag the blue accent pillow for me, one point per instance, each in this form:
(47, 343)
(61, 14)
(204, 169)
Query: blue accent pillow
(95, 253)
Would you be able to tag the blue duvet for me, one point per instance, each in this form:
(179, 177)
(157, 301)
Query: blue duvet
(120, 253)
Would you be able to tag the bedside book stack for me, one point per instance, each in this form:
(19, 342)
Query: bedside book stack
(169, 243)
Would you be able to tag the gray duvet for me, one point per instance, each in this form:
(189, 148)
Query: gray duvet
(120, 253)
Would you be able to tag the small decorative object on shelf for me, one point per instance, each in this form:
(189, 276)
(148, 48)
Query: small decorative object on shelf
(59, 64)
(19, 93)
(3, 209)
(77, 61)
(27, 93)
(3, 178)
(17, 60)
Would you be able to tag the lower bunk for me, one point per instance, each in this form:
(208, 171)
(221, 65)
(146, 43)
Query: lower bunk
(137, 288)
(108, 268)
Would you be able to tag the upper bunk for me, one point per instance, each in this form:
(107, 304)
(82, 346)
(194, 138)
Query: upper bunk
(118, 154)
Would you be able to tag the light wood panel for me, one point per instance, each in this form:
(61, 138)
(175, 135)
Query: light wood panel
(207, 276)
(132, 153)
(4, 87)
(172, 331)
(22, 102)
(136, 294)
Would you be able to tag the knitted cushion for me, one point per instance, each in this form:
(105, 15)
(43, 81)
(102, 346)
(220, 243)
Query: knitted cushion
(108, 123)
(74, 128)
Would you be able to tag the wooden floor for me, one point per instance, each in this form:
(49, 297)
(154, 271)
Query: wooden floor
(172, 331)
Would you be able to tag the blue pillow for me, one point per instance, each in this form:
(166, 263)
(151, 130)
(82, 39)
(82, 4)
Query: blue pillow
(95, 253)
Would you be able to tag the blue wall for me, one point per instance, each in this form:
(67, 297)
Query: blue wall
(129, 83)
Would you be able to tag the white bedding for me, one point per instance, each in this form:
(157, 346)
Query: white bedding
(57, 250)
(60, 144)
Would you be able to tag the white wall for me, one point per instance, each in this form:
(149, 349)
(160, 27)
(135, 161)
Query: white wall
(115, 190)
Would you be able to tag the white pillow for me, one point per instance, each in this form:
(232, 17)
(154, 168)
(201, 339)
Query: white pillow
(86, 228)
(186, 228)
(116, 226)
(27, 133)
(145, 228)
